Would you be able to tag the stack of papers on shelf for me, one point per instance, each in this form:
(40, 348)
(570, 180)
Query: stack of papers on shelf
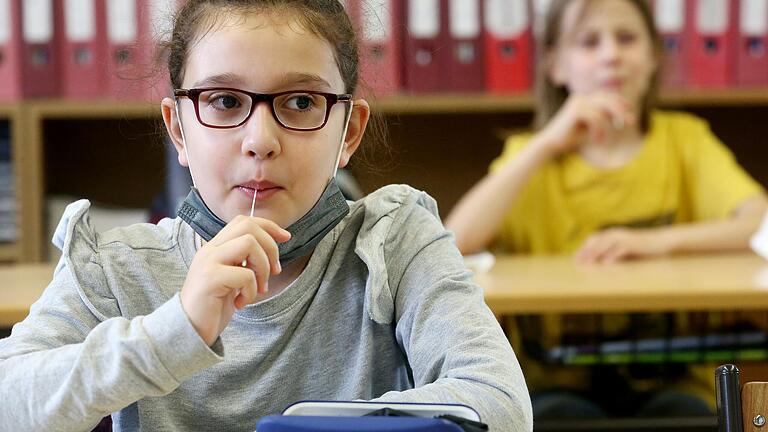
(8, 206)
(742, 345)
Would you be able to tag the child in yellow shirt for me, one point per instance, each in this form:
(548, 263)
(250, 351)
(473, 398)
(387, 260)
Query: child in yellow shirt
(604, 175)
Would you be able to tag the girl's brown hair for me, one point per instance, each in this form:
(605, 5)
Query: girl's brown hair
(326, 19)
(550, 97)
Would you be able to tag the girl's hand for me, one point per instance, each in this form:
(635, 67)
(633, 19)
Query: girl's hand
(582, 117)
(618, 244)
(217, 282)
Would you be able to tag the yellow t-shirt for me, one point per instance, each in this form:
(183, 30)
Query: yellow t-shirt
(682, 173)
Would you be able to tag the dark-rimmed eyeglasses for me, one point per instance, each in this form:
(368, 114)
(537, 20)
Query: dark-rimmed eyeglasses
(298, 110)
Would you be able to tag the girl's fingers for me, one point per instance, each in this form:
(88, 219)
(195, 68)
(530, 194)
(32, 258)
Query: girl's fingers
(614, 250)
(597, 121)
(618, 108)
(274, 230)
(245, 247)
(264, 231)
(247, 293)
(269, 247)
(237, 280)
(584, 256)
(615, 254)
(259, 263)
(594, 249)
(585, 252)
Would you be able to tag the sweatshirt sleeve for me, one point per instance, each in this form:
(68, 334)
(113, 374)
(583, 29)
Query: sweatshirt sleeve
(74, 359)
(454, 345)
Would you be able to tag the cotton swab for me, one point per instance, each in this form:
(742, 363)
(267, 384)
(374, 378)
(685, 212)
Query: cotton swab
(253, 205)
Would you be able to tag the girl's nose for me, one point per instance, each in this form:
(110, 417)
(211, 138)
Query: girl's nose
(261, 133)
(610, 49)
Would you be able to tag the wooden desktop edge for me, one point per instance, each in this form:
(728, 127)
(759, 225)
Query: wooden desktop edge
(518, 284)
(525, 284)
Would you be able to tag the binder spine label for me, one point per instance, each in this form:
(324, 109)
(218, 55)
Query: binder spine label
(505, 19)
(464, 18)
(161, 19)
(38, 21)
(753, 17)
(5, 21)
(80, 20)
(670, 15)
(424, 18)
(122, 27)
(712, 16)
(376, 20)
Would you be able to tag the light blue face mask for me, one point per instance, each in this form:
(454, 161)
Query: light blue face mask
(306, 232)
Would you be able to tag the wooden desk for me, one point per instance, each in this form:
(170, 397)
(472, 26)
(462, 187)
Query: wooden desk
(519, 284)
(20, 286)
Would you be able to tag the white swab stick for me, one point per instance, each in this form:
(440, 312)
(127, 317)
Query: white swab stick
(253, 205)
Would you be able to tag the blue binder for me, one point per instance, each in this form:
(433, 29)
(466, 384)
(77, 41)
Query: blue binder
(277, 423)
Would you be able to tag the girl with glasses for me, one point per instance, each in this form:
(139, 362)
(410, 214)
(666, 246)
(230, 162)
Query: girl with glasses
(270, 287)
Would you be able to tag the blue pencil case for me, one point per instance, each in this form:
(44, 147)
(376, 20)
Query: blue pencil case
(278, 423)
(360, 416)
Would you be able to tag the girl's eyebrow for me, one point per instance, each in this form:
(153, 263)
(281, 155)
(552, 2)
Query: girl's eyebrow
(289, 79)
(225, 79)
(292, 78)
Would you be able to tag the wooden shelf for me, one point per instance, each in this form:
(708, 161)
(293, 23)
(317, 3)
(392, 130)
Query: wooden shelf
(9, 252)
(715, 97)
(74, 109)
(452, 103)
(489, 103)
(8, 109)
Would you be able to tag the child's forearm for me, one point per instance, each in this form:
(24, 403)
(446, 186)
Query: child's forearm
(476, 217)
(72, 386)
(732, 234)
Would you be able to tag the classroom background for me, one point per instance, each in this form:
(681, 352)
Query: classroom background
(81, 82)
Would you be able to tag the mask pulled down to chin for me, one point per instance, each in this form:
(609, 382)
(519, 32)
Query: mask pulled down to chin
(306, 232)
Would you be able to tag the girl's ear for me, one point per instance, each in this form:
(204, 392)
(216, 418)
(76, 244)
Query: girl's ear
(361, 112)
(171, 121)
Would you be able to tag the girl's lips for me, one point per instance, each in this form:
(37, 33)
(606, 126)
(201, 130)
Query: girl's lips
(613, 84)
(264, 184)
(261, 194)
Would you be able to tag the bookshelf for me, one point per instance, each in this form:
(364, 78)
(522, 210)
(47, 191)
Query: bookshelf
(77, 120)
(112, 152)
(490, 103)
(12, 114)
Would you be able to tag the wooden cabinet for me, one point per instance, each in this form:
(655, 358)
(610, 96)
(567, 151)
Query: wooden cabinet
(79, 148)
(113, 152)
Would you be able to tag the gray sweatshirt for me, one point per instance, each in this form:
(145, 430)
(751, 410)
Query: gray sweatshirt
(385, 310)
